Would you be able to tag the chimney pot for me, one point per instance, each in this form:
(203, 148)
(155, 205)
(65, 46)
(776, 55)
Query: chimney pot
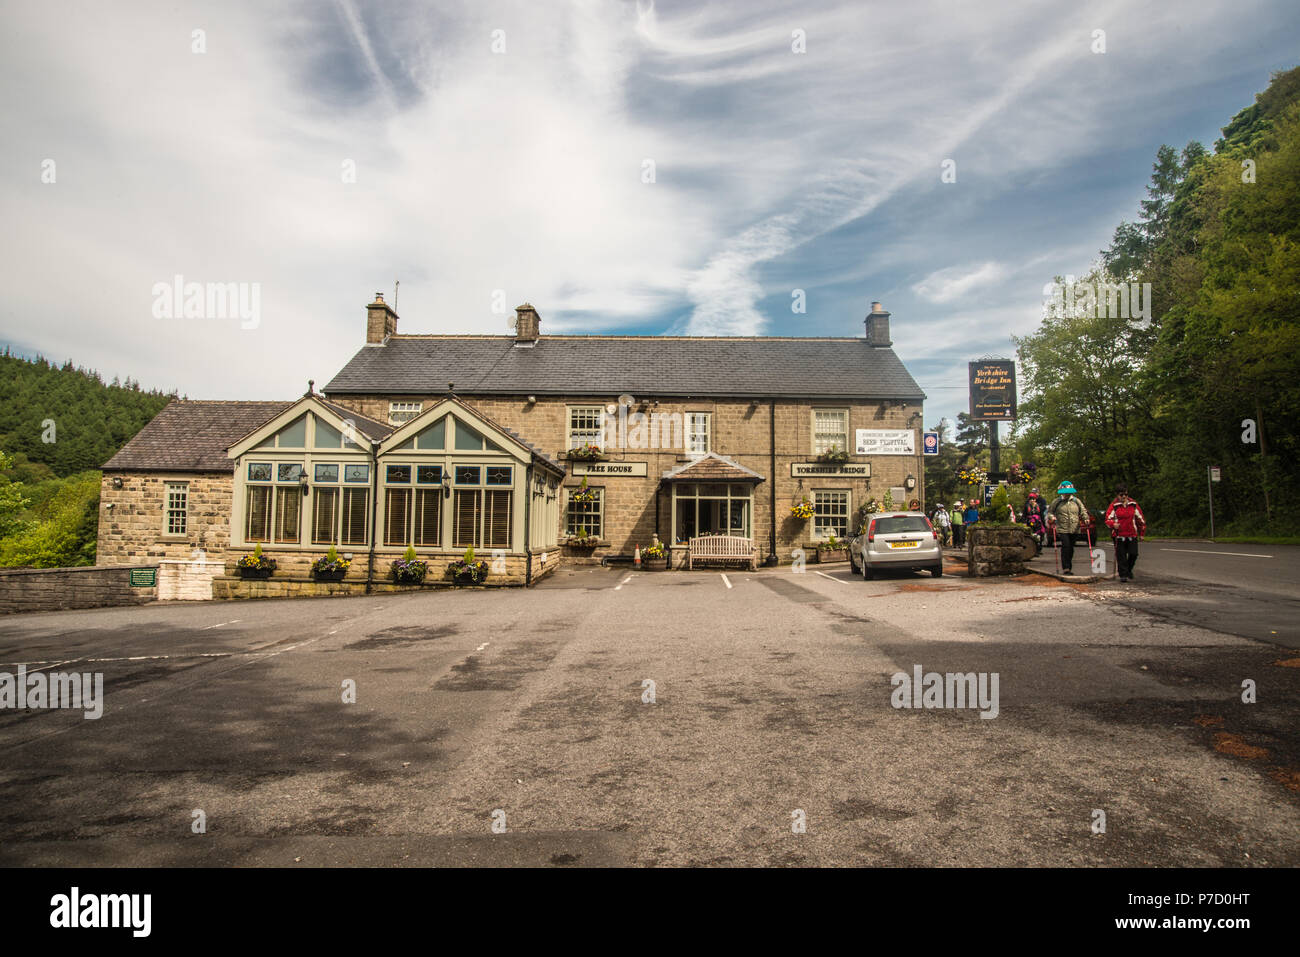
(877, 323)
(381, 321)
(528, 324)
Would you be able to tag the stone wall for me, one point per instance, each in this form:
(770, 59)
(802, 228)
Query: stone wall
(998, 549)
(187, 581)
(52, 589)
(131, 517)
(738, 431)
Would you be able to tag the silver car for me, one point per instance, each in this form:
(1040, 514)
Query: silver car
(903, 540)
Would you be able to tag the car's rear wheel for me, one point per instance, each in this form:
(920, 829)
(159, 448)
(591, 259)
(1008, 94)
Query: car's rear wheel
(866, 571)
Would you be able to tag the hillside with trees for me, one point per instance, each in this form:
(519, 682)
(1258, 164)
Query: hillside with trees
(1212, 376)
(58, 425)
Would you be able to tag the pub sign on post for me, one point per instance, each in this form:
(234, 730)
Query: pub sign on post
(931, 443)
(993, 390)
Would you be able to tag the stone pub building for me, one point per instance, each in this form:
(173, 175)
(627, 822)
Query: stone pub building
(534, 449)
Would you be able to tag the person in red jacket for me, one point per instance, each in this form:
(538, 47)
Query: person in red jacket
(1127, 525)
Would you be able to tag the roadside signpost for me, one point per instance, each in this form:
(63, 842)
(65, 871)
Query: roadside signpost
(1211, 476)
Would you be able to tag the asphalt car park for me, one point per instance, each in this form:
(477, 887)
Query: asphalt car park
(619, 717)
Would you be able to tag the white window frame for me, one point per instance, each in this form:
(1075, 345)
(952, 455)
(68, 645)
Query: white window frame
(699, 425)
(399, 412)
(841, 439)
(584, 436)
(172, 511)
(819, 532)
(588, 515)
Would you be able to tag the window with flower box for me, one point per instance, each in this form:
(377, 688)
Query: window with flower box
(830, 431)
(831, 513)
(586, 426)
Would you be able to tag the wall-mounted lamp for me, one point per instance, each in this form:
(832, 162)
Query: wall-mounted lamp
(532, 400)
(910, 482)
(753, 403)
(302, 482)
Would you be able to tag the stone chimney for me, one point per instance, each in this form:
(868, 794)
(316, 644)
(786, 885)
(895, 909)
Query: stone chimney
(381, 321)
(877, 322)
(528, 324)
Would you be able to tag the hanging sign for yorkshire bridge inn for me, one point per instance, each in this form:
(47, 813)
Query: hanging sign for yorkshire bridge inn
(832, 469)
(886, 442)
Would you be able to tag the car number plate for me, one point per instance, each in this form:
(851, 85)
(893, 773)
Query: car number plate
(904, 544)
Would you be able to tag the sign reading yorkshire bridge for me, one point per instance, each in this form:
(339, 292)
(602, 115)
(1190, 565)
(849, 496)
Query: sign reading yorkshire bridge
(993, 390)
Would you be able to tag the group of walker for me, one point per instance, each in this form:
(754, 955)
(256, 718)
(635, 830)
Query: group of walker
(1066, 520)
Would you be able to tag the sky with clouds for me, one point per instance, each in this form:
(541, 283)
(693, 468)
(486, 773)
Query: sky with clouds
(503, 147)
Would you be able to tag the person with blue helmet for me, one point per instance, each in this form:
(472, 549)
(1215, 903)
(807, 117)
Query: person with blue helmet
(1067, 515)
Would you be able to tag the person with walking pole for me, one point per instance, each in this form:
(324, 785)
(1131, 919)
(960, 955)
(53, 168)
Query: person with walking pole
(1066, 516)
(1127, 526)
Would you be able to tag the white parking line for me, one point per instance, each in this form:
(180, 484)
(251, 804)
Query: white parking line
(233, 621)
(830, 577)
(726, 581)
(1203, 551)
(622, 583)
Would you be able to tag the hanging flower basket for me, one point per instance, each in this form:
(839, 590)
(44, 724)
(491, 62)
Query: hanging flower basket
(802, 510)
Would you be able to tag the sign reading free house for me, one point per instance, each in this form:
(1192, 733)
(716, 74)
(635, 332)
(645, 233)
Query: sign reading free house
(886, 442)
(610, 468)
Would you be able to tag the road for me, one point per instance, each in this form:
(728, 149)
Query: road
(1247, 590)
(772, 701)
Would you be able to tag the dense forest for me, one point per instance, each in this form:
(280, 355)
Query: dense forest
(58, 425)
(1207, 373)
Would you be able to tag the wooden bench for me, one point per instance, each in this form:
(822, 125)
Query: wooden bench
(723, 548)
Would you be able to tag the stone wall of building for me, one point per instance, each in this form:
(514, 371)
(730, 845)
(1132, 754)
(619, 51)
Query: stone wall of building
(131, 518)
(52, 589)
(739, 430)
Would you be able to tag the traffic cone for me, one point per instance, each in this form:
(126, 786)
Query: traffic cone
(636, 557)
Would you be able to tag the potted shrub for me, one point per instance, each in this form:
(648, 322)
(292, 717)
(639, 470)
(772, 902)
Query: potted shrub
(409, 570)
(831, 550)
(255, 565)
(467, 570)
(330, 567)
(654, 556)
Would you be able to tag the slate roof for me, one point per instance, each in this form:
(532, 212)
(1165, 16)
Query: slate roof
(712, 467)
(371, 428)
(192, 436)
(639, 365)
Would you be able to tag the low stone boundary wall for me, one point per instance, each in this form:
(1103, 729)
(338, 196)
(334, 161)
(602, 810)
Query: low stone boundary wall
(998, 549)
(56, 589)
(187, 581)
